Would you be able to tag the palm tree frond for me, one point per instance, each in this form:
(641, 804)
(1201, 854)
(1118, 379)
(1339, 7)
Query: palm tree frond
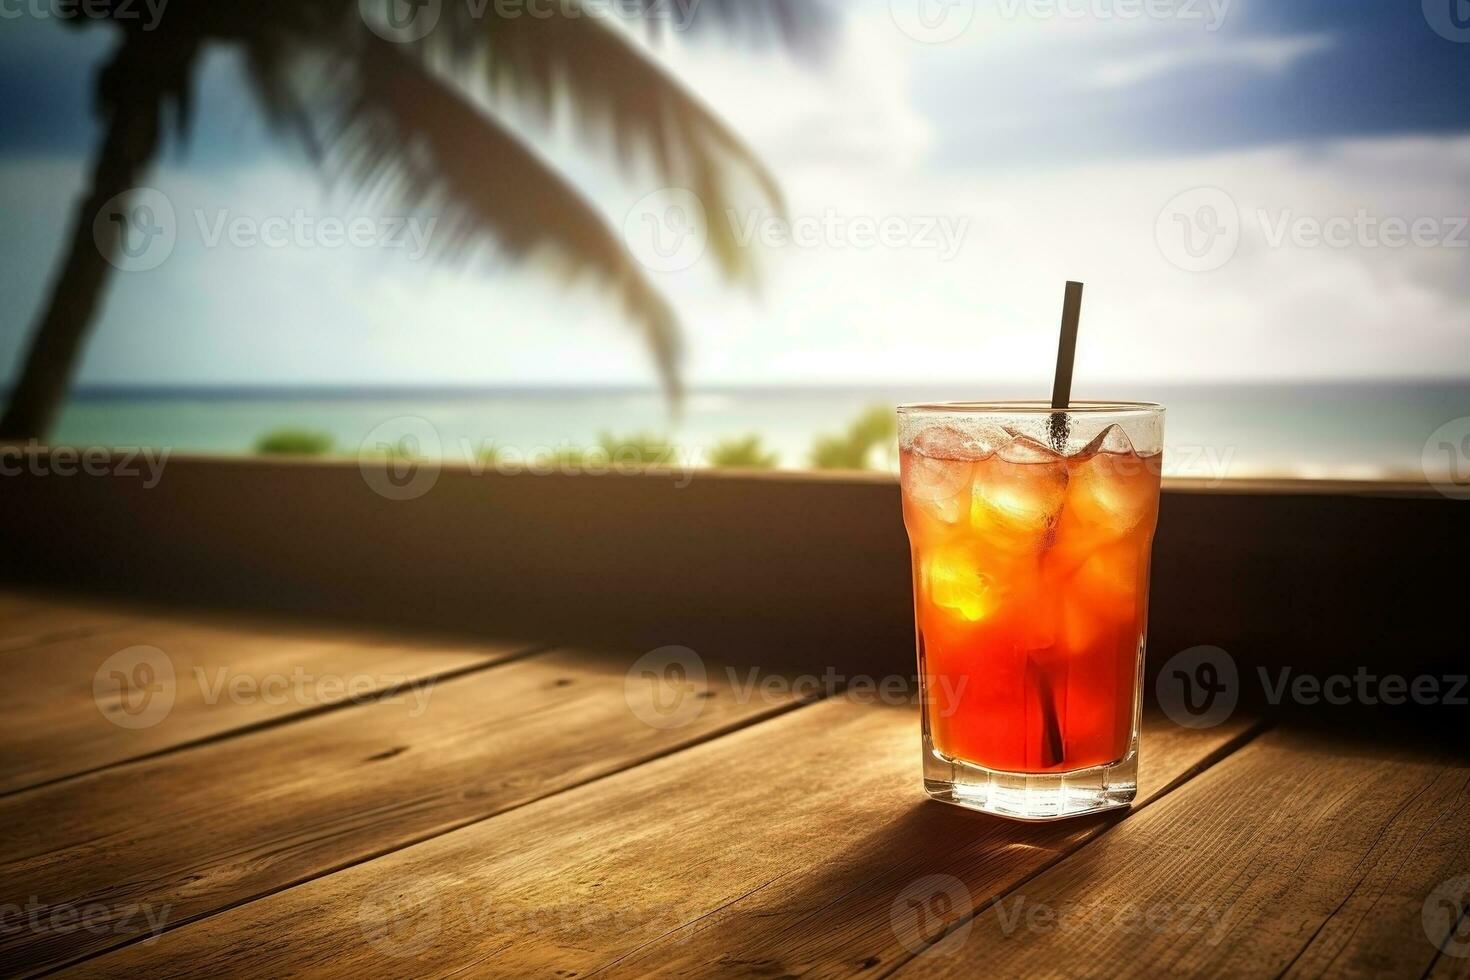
(397, 132)
(399, 128)
(593, 67)
(803, 26)
(270, 65)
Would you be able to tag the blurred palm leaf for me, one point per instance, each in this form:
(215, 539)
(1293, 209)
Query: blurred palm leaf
(401, 123)
(596, 70)
(800, 25)
(385, 116)
(408, 133)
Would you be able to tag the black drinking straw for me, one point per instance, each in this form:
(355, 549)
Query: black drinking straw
(1058, 428)
(1061, 388)
(1051, 728)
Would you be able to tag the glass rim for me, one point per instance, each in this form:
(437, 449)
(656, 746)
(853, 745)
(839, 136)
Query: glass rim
(1031, 407)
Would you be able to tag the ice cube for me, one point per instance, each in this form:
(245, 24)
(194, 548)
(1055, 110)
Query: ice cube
(1110, 440)
(1080, 625)
(939, 488)
(1018, 496)
(954, 581)
(1110, 582)
(970, 441)
(1112, 493)
(1034, 601)
(1024, 449)
(1101, 592)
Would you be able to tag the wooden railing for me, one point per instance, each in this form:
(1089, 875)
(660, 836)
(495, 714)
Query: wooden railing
(789, 568)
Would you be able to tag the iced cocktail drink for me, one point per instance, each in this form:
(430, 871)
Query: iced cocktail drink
(1031, 532)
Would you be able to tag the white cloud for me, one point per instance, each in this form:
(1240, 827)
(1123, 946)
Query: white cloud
(1271, 312)
(1272, 54)
(854, 109)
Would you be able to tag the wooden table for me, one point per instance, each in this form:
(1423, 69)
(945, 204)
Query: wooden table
(303, 799)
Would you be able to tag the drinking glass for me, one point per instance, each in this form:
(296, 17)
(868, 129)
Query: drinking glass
(1031, 531)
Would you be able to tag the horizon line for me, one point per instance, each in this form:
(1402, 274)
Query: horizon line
(124, 390)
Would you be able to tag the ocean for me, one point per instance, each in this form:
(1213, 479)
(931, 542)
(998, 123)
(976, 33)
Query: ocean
(1358, 430)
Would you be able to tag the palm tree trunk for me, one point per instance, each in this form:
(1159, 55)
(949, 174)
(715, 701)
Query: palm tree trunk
(135, 91)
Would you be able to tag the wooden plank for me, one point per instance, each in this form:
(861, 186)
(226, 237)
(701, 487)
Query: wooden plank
(149, 684)
(12, 603)
(1452, 967)
(1298, 855)
(142, 846)
(1403, 485)
(1454, 960)
(753, 842)
(31, 620)
(1380, 928)
(25, 632)
(650, 557)
(850, 915)
(17, 603)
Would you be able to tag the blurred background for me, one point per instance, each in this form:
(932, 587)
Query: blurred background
(738, 233)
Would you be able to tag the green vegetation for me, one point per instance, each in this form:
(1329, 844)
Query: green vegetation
(742, 453)
(640, 447)
(869, 442)
(875, 429)
(641, 450)
(294, 442)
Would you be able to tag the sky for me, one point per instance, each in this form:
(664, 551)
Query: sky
(1249, 188)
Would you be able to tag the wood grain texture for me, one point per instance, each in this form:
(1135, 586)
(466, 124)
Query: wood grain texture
(735, 854)
(1299, 855)
(12, 604)
(850, 914)
(31, 620)
(215, 826)
(64, 710)
(1454, 962)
